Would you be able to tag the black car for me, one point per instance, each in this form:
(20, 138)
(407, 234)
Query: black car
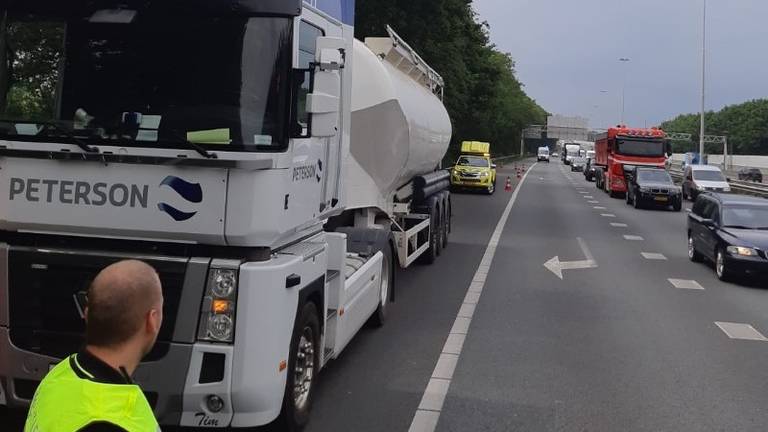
(589, 170)
(732, 232)
(751, 174)
(653, 186)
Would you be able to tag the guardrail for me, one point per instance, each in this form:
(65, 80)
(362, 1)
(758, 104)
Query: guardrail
(738, 186)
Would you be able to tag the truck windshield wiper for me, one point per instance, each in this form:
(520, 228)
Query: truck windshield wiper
(194, 146)
(71, 135)
(740, 227)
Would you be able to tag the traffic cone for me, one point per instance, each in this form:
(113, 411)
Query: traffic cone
(508, 185)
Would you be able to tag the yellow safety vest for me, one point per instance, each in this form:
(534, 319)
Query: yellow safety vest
(64, 402)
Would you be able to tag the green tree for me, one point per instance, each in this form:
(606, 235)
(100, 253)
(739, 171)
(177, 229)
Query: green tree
(746, 126)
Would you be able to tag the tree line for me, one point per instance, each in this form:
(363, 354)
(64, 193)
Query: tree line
(746, 126)
(484, 99)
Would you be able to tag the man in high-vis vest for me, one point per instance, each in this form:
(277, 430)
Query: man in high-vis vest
(92, 391)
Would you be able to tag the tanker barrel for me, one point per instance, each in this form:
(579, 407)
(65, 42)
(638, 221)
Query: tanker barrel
(425, 180)
(422, 194)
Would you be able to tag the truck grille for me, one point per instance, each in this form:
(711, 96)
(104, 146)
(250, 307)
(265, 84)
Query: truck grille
(43, 285)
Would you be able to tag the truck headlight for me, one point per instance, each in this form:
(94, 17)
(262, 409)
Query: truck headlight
(741, 251)
(484, 174)
(701, 188)
(217, 314)
(727, 189)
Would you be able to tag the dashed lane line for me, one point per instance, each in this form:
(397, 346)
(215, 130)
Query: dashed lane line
(618, 225)
(685, 284)
(654, 256)
(428, 413)
(740, 331)
(609, 215)
(633, 238)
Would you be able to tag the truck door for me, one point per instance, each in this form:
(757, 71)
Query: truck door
(318, 116)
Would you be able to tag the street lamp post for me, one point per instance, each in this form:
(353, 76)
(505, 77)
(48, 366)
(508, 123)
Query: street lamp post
(623, 88)
(702, 129)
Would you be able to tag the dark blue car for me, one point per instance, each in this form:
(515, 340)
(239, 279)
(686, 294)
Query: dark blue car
(731, 231)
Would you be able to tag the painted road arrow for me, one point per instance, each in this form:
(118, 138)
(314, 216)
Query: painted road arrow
(556, 266)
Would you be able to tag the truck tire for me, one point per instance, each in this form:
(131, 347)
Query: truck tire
(433, 252)
(303, 361)
(379, 317)
(446, 219)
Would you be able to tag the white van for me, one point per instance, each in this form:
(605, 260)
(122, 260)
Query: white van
(543, 154)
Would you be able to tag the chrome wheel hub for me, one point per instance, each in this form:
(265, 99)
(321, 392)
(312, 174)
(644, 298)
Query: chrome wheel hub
(305, 368)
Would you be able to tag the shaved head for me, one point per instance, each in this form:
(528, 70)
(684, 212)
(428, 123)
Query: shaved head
(119, 301)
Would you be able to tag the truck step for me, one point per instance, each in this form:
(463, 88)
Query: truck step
(327, 354)
(330, 275)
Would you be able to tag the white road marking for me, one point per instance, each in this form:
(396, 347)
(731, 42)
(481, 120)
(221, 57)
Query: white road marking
(583, 192)
(618, 225)
(594, 202)
(589, 197)
(556, 266)
(633, 238)
(653, 256)
(741, 331)
(685, 284)
(599, 208)
(428, 414)
(607, 215)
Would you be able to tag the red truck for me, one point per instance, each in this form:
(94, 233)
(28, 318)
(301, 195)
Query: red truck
(620, 149)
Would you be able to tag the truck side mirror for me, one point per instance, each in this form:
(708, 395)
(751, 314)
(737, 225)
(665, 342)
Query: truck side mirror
(493, 166)
(324, 102)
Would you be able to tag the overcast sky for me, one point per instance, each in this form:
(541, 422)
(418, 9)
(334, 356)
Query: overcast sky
(567, 52)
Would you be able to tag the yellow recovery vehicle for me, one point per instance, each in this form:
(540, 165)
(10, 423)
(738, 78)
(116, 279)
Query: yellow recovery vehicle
(474, 169)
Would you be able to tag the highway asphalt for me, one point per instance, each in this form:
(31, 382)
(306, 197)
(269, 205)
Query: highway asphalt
(614, 347)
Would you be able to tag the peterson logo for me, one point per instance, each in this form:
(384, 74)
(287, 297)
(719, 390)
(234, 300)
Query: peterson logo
(102, 194)
(191, 192)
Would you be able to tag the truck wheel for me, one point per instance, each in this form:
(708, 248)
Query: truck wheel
(434, 244)
(387, 286)
(491, 188)
(446, 221)
(303, 363)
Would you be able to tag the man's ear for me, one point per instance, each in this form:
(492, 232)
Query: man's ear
(153, 321)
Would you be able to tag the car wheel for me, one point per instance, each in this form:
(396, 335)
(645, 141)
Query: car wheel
(636, 202)
(693, 254)
(721, 268)
(678, 205)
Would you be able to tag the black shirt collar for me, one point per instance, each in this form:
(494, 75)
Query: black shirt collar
(88, 366)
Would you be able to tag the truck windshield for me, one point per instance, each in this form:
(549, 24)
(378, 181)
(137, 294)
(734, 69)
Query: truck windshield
(473, 162)
(640, 148)
(148, 77)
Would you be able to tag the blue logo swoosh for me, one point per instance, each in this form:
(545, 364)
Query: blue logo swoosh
(191, 192)
(175, 213)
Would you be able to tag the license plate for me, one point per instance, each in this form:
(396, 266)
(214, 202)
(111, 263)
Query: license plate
(662, 198)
